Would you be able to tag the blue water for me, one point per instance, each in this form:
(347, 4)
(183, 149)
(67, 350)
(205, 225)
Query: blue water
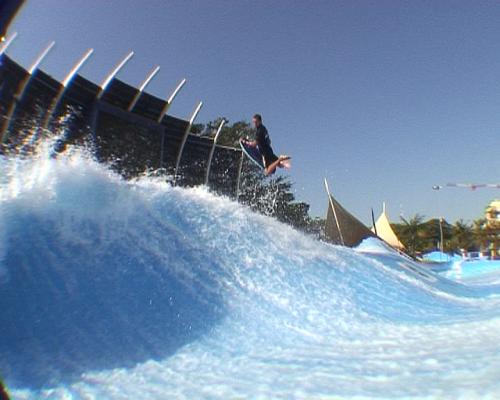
(440, 257)
(118, 290)
(474, 272)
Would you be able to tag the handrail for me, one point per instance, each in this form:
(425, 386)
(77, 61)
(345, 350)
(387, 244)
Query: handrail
(184, 139)
(171, 99)
(104, 85)
(212, 150)
(145, 83)
(20, 91)
(65, 83)
(7, 43)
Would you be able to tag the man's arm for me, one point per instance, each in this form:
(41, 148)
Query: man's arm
(250, 143)
(259, 138)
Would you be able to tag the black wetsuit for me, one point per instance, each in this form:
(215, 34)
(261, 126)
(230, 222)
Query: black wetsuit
(264, 145)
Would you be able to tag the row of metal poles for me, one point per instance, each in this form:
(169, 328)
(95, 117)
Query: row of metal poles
(102, 89)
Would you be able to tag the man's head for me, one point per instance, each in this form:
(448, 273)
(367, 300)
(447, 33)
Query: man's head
(257, 120)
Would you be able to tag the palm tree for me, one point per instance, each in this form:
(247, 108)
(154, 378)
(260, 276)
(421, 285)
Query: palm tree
(463, 237)
(480, 233)
(410, 234)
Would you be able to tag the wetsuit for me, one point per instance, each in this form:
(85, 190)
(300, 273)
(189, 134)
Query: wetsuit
(264, 145)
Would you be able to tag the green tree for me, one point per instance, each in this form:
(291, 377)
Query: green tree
(462, 237)
(430, 233)
(480, 233)
(197, 129)
(410, 233)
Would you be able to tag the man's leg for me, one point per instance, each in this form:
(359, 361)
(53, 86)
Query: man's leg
(272, 167)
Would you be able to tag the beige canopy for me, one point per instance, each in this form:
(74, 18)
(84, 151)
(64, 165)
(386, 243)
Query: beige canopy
(385, 232)
(341, 226)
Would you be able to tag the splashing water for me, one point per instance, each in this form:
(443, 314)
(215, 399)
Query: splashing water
(116, 290)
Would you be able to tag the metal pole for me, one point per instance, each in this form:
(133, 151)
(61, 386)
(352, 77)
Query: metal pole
(374, 223)
(334, 212)
(7, 43)
(212, 150)
(240, 167)
(40, 58)
(441, 244)
(184, 139)
(145, 83)
(65, 83)
(77, 67)
(170, 100)
(112, 74)
(21, 89)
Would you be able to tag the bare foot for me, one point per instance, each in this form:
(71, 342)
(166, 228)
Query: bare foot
(283, 161)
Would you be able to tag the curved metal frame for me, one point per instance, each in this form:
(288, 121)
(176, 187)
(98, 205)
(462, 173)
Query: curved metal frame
(184, 139)
(212, 150)
(65, 83)
(144, 83)
(7, 43)
(240, 167)
(77, 67)
(41, 57)
(21, 89)
(171, 99)
(112, 74)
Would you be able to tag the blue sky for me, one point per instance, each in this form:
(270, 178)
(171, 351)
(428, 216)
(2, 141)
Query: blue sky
(384, 98)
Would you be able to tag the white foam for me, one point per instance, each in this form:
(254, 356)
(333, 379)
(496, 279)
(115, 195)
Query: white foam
(302, 319)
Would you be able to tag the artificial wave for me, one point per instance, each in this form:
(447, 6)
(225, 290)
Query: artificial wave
(115, 289)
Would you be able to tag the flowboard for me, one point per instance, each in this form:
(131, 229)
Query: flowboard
(252, 153)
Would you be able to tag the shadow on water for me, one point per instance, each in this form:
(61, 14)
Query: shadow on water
(70, 307)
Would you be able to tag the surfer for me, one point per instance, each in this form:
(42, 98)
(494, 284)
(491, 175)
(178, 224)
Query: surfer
(263, 144)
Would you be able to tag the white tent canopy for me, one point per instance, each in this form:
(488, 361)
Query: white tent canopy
(384, 231)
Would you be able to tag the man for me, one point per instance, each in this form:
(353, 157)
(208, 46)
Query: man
(263, 144)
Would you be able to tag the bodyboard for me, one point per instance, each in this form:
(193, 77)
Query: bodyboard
(253, 154)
